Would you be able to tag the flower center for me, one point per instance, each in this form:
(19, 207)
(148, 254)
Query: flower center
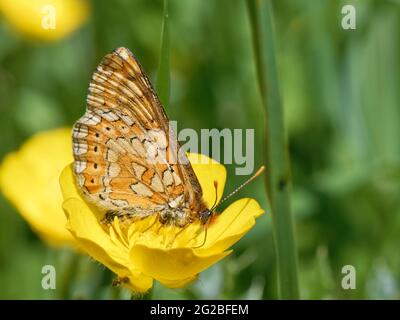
(152, 233)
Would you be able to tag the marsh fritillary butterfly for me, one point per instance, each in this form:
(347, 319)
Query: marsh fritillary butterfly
(126, 156)
(127, 160)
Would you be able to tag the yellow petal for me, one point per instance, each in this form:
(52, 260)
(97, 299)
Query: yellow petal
(67, 183)
(171, 264)
(207, 171)
(45, 19)
(29, 180)
(229, 226)
(98, 244)
(69, 189)
(176, 284)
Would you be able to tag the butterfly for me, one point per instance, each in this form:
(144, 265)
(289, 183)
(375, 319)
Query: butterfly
(127, 160)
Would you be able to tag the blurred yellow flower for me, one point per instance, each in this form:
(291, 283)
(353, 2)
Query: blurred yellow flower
(45, 19)
(144, 251)
(29, 180)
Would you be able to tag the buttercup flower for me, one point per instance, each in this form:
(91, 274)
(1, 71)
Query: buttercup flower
(29, 180)
(145, 250)
(45, 19)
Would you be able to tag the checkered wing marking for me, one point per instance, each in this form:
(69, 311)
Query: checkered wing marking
(125, 153)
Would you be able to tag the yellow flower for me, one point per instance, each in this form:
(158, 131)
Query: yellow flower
(45, 19)
(29, 180)
(145, 250)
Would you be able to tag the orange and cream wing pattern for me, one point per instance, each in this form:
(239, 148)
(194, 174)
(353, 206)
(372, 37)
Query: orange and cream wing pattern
(126, 155)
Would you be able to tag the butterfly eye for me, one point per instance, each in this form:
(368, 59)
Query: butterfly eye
(205, 216)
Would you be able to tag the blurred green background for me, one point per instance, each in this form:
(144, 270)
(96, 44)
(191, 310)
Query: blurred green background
(340, 90)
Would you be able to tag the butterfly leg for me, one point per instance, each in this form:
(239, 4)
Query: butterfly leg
(151, 225)
(127, 214)
(109, 217)
(178, 234)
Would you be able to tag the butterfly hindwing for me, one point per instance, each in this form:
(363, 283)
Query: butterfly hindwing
(126, 155)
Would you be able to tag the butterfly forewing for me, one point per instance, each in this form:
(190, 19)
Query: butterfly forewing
(127, 159)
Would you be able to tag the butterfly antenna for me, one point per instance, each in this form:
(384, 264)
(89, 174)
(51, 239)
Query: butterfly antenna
(216, 195)
(259, 171)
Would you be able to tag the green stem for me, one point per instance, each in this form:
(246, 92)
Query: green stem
(148, 295)
(276, 159)
(115, 293)
(163, 80)
(69, 261)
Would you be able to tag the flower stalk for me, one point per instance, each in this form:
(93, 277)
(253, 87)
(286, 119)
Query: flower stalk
(276, 159)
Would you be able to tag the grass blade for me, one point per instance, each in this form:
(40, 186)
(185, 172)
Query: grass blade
(163, 79)
(277, 177)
